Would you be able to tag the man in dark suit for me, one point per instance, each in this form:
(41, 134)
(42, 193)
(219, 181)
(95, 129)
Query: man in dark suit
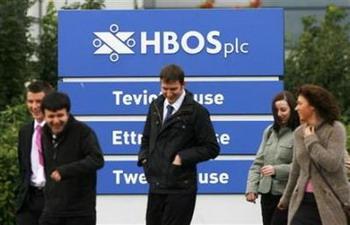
(30, 198)
(72, 157)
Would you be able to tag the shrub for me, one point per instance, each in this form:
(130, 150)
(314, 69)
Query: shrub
(10, 121)
(322, 56)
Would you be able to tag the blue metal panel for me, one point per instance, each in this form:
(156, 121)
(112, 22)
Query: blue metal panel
(133, 98)
(140, 43)
(100, 43)
(234, 137)
(124, 177)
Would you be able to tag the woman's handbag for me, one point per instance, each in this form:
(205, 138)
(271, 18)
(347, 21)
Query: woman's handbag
(345, 206)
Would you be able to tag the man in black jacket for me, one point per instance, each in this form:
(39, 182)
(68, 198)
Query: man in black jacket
(72, 157)
(30, 198)
(177, 135)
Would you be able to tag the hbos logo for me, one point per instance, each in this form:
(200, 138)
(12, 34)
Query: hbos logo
(114, 43)
(117, 43)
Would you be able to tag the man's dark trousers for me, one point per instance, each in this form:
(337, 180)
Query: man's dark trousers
(73, 220)
(170, 209)
(31, 210)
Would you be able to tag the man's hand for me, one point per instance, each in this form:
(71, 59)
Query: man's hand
(177, 161)
(56, 176)
(251, 197)
(268, 170)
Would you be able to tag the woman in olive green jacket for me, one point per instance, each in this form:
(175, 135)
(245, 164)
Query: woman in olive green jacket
(269, 172)
(319, 143)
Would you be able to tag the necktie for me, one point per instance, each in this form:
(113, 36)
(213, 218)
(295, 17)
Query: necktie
(38, 131)
(170, 110)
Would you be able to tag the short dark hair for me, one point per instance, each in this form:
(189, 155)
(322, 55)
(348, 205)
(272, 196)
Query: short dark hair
(39, 86)
(293, 121)
(171, 73)
(324, 102)
(56, 101)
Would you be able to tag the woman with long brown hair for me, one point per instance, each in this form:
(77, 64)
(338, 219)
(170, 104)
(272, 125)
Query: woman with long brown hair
(317, 185)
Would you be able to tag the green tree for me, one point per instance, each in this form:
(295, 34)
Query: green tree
(322, 56)
(93, 4)
(47, 49)
(15, 50)
(88, 4)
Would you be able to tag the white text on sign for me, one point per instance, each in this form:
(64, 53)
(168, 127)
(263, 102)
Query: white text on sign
(146, 98)
(122, 177)
(120, 137)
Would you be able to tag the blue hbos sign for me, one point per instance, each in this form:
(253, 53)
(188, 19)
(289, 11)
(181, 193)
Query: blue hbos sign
(129, 43)
(121, 177)
(212, 43)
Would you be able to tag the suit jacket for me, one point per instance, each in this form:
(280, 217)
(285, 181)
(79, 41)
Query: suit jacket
(188, 133)
(326, 148)
(25, 169)
(76, 156)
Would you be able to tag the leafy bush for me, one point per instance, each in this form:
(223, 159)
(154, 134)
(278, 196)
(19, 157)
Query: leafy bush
(47, 48)
(10, 121)
(322, 56)
(15, 50)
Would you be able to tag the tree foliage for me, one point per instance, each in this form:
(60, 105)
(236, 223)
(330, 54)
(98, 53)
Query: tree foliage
(93, 4)
(15, 49)
(17, 66)
(47, 48)
(88, 4)
(322, 56)
(10, 121)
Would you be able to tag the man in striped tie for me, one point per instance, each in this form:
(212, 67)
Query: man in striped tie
(178, 134)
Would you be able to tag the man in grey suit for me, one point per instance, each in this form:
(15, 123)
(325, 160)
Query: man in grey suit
(30, 199)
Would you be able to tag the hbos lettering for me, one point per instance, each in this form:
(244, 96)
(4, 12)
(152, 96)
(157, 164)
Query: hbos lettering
(168, 42)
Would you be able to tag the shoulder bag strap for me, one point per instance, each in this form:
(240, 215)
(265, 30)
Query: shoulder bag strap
(327, 183)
